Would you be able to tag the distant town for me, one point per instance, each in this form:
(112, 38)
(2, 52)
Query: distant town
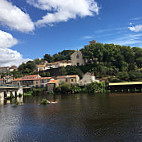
(38, 81)
(95, 63)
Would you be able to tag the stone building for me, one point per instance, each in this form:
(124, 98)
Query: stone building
(87, 79)
(77, 59)
(4, 69)
(70, 79)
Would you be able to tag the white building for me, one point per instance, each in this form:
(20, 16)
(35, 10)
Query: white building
(58, 64)
(87, 79)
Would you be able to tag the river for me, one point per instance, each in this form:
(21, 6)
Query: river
(73, 118)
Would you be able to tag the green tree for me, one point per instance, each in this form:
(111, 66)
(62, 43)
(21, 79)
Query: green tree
(48, 58)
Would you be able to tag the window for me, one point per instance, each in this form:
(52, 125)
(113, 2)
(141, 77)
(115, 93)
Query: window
(72, 80)
(77, 56)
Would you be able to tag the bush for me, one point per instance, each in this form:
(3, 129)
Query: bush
(28, 93)
(65, 87)
(75, 89)
(95, 87)
(123, 76)
(37, 91)
(114, 79)
(44, 102)
(135, 75)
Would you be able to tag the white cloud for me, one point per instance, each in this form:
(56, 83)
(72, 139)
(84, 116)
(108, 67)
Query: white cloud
(8, 56)
(128, 39)
(63, 10)
(137, 28)
(14, 18)
(87, 37)
(7, 40)
(136, 19)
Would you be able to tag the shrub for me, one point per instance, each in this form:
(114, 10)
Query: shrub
(75, 89)
(95, 87)
(63, 88)
(44, 102)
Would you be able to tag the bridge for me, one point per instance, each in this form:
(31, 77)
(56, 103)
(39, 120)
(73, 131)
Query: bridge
(11, 91)
(125, 87)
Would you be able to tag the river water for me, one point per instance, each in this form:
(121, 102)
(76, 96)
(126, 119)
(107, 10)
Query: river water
(73, 118)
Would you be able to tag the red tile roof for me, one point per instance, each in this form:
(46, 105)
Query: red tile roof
(53, 81)
(1, 79)
(42, 78)
(28, 77)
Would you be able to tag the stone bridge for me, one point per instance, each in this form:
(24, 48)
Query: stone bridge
(10, 91)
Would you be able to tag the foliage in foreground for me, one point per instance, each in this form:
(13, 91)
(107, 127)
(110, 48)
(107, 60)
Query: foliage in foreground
(94, 87)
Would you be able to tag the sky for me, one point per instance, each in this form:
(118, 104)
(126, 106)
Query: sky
(30, 29)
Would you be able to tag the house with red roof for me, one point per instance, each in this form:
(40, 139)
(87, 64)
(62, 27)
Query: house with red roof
(33, 81)
(26, 80)
(42, 82)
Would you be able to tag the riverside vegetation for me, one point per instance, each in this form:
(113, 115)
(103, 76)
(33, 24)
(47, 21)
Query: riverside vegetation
(94, 87)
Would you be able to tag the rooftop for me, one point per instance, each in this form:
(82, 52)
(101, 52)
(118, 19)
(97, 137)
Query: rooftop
(125, 83)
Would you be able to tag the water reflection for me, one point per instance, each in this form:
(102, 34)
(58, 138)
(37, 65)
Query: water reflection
(75, 118)
(17, 100)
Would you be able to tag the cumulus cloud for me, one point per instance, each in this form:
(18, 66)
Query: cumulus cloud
(137, 28)
(8, 56)
(14, 17)
(7, 40)
(63, 10)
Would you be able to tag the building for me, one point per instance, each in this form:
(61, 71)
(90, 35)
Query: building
(41, 67)
(4, 69)
(33, 81)
(42, 82)
(8, 79)
(92, 42)
(52, 84)
(13, 68)
(64, 63)
(77, 59)
(87, 79)
(51, 65)
(26, 80)
(1, 81)
(70, 79)
(58, 64)
(53, 81)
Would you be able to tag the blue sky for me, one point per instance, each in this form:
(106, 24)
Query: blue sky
(31, 28)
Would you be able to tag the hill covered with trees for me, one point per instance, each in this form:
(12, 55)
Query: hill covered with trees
(115, 62)
(119, 62)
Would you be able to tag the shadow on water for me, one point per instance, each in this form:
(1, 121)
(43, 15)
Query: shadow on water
(75, 118)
